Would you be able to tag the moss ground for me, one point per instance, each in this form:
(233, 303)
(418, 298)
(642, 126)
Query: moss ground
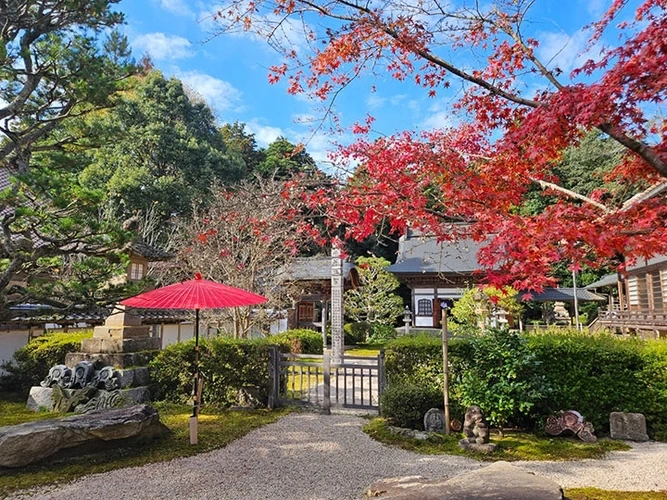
(217, 428)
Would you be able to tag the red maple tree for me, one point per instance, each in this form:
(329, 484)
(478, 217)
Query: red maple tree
(508, 141)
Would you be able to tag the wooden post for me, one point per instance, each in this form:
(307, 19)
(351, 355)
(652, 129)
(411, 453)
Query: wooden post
(445, 367)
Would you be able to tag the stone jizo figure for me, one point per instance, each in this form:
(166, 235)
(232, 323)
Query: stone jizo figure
(476, 432)
(434, 420)
(475, 428)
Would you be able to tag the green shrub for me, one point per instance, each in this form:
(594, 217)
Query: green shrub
(405, 405)
(300, 341)
(499, 373)
(31, 363)
(357, 333)
(381, 333)
(231, 368)
(594, 375)
(414, 359)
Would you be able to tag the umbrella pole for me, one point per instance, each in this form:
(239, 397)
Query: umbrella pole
(195, 409)
(196, 391)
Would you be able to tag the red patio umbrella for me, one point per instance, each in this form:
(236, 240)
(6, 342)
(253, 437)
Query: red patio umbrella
(195, 294)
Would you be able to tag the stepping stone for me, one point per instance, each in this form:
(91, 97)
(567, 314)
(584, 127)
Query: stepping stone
(499, 481)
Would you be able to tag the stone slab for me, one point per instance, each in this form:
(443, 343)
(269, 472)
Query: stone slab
(117, 360)
(24, 444)
(498, 481)
(122, 317)
(115, 345)
(121, 332)
(628, 426)
(39, 399)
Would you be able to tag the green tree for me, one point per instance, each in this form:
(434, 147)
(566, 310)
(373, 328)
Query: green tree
(374, 301)
(239, 141)
(282, 160)
(162, 151)
(54, 69)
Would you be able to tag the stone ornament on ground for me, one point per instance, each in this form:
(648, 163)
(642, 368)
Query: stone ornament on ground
(434, 420)
(571, 420)
(627, 426)
(476, 432)
(24, 444)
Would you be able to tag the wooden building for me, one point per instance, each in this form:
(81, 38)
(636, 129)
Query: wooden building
(309, 279)
(641, 306)
(433, 271)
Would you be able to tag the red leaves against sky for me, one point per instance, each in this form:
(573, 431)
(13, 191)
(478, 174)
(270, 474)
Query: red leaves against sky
(482, 171)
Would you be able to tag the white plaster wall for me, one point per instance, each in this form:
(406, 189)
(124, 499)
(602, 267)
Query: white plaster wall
(11, 340)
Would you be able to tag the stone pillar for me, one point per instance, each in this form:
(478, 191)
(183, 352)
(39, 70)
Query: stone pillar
(337, 338)
(325, 317)
(121, 342)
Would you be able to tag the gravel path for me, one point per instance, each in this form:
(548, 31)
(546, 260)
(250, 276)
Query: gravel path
(309, 456)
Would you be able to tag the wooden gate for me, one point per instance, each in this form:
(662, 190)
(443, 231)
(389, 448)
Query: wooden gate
(314, 381)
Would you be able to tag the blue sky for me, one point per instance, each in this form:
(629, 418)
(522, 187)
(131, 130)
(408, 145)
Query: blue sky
(230, 71)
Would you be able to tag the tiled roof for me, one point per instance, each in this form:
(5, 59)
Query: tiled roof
(149, 252)
(424, 254)
(313, 269)
(563, 295)
(608, 280)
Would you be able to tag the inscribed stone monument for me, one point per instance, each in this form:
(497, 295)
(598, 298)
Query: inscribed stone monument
(337, 340)
(628, 426)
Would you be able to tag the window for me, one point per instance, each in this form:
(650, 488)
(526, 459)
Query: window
(633, 291)
(136, 271)
(306, 311)
(424, 307)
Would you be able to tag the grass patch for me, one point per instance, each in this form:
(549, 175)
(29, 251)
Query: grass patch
(217, 428)
(512, 447)
(595, 494)
(362, 351)
(13, 411)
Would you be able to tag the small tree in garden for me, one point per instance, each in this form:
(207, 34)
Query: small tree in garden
(475, 307)
(374, 301)
(246, 237)
(500, 376)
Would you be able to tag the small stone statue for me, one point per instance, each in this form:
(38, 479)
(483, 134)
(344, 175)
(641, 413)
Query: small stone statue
(475, 427)
(58, 375)
(434, 420)
(476, 432)
(105, 379)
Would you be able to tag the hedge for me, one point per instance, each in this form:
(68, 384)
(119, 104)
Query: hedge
(594, 375)
(31, 363)
(232, 369)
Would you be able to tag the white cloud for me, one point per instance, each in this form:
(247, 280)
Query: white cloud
(163, 47)
(218, 94)
(374, 101)
(177, 7)
(565, 52)
(439, 116)
(264, 134)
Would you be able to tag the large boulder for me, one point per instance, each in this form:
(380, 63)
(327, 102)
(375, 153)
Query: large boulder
(30, 442)
(499, 481)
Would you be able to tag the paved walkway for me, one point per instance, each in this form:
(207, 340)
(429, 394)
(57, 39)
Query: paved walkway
(309, 456)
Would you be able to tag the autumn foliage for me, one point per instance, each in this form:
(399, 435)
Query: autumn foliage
(507, 140)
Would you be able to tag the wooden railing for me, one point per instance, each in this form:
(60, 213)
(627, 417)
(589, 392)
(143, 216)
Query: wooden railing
(633, 318)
